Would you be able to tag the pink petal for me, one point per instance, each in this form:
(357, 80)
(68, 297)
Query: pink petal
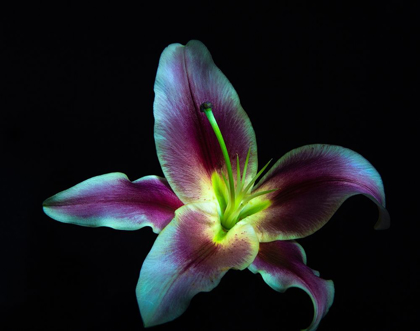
(189, 256)
(186, 144)
(312, 182)
(282, 264)
(112, 200)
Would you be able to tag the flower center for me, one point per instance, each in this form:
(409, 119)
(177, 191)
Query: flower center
(234, 198)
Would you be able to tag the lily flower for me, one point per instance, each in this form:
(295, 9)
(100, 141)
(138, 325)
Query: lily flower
(209, 213)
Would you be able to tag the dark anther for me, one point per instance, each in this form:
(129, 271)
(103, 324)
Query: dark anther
(205, 105)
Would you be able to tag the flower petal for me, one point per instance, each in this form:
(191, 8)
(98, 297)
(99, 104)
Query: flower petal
(282, 264)
(312, 182)
(189, 256)
(112, 200)
(186, 144)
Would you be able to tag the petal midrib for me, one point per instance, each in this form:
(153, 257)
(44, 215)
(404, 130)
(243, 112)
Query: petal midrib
(199, 119)
(107, 201)
(283, 194)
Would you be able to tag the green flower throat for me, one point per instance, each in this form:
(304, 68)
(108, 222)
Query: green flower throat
(235, 199)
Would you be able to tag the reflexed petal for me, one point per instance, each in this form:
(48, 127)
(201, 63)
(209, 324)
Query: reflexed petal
(186, 144)
(282, 264)
(312, 182)
(189, 256)
(112, 200)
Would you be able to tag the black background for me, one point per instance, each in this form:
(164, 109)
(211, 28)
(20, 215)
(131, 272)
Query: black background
(78, 100)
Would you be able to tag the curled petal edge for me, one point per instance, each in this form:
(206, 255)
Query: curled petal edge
(282, 264)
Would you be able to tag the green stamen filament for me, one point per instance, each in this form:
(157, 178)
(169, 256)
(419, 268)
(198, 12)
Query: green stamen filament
(234, 203)
(238, 177)
(256, 177)
(252, 196)
(246, 166)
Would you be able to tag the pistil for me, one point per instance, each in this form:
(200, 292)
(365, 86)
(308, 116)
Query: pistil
(207, 108)
(233, 204)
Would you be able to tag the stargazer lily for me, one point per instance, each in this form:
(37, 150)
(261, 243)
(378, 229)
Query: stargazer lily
(209, 213)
